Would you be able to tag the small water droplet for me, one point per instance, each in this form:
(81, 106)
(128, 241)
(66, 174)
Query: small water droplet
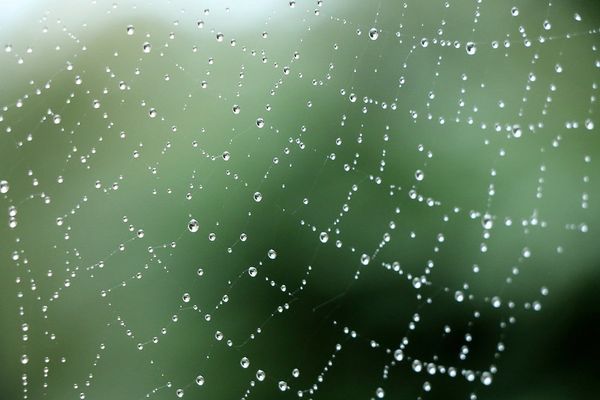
(373, 33)
(4, 186)
(471, 48)
(364, 259)
(260, 375)
(193, 226)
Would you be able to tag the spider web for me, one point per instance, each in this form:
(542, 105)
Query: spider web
(288, 199)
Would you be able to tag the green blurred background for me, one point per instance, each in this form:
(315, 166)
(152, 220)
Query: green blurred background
(85, 295)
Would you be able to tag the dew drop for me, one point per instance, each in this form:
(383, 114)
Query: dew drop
(364, 259)
(516, 131)
(589, 124)
(471, 48)
(323, 237)
(260, 375)
(398, 355)
(282, 386)
(4, 186)
(193, 226)
(487, 222)
(486, 378)
(459, 296)
(373, 33)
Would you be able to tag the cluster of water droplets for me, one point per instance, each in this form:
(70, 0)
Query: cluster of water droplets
(354, 155)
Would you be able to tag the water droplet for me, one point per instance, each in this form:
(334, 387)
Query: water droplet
(516, 131)
(260, 375)
(179, 393)
(496, 302)
(147, 47)
(589, 124)
(398, 355)
(373, 33)
(471, 48)
(130, 30)
(323, 237)
(257, 197)
(487, 222)
(282, 386)
(4, 186)
(380, 393)
(245, 362)
(199, 380)
(364, 259)
(56, 119)
(486, 378)
(186, 297)
(236, 109)
(260, 122)
(193, 226)
(272, 254)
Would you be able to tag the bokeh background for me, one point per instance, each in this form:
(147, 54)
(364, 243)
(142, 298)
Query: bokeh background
(388, 144)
